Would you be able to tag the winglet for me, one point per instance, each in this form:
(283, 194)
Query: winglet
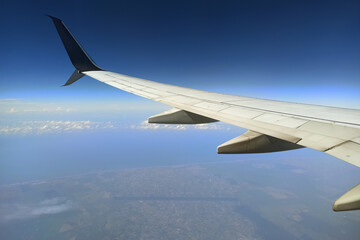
(74, 77)
(79, 58)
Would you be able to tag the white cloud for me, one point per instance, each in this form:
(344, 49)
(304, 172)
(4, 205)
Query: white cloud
(18, 211)
(181, 127)
(52, 126)
(52, 206)
(12, 110)
(44, 127)
(212, 126)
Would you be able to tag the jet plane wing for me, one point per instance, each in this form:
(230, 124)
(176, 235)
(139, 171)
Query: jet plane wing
(273, 125)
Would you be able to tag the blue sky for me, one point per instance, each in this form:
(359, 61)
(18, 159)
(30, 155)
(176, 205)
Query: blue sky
(301, 51)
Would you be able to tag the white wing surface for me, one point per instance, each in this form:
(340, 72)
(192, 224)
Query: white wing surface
(335, 131)
(273, 125)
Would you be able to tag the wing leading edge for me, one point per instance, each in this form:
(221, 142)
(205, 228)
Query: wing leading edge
(273, 125)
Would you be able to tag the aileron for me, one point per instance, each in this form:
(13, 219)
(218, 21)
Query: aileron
(348, 151)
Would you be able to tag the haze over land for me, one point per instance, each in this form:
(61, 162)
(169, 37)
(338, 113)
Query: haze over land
(211, 201)
(157, 182)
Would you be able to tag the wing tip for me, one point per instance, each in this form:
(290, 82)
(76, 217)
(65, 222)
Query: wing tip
(53, 18)
(78, 56)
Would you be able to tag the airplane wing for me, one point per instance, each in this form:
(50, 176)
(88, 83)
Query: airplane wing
(273, 125)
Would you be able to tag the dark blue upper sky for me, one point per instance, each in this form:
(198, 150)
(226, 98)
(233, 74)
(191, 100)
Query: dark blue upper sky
(230, 46)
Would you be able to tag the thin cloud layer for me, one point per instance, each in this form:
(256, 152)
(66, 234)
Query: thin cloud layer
(17, 106)
(40, 110)
(26, 108)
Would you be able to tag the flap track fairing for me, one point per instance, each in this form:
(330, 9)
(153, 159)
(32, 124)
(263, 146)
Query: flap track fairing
(178, 116)
(253, 142)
